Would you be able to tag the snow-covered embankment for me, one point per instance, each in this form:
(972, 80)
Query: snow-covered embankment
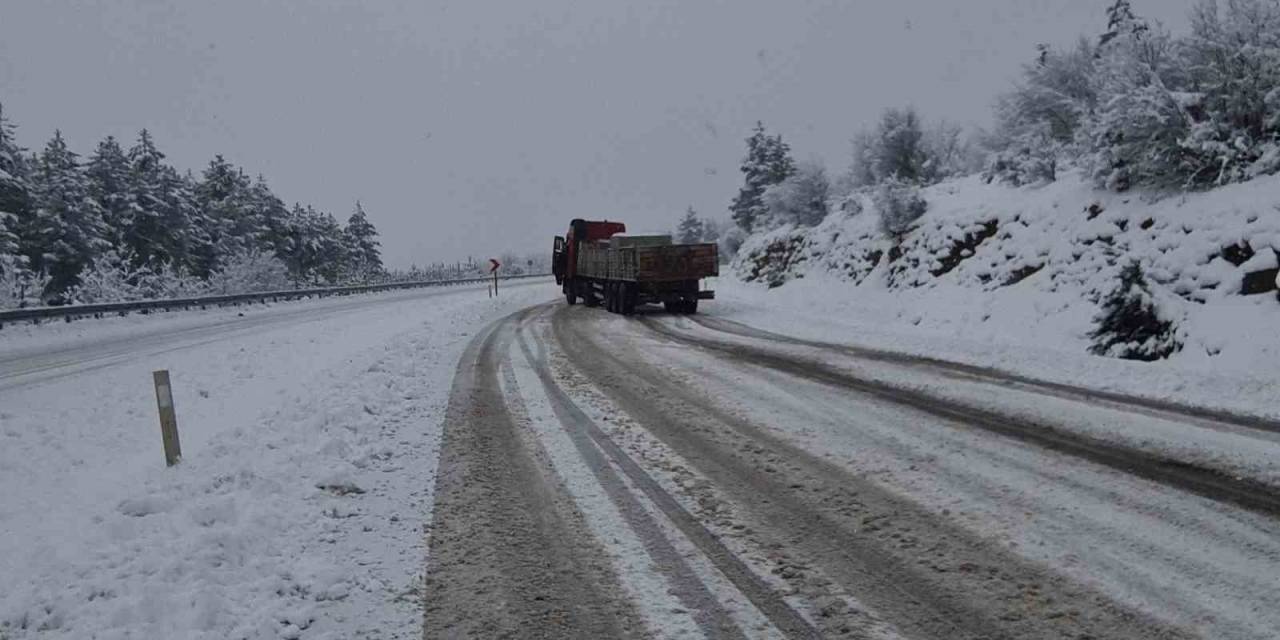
(1011, 277)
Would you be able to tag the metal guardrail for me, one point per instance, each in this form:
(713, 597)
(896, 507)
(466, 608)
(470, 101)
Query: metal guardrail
(70, 312)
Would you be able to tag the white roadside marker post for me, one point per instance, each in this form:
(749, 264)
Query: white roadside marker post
(168, 418)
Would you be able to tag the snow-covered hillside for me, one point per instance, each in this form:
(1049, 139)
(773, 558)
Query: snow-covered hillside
(1025, 267)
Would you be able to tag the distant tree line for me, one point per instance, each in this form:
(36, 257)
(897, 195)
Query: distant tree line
(124, 224)
(1133, 106)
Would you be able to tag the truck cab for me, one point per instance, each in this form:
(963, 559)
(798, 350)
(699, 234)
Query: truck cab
(564, 254)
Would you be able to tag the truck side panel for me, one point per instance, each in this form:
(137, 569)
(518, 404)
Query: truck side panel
(676, 262)
(649, 264)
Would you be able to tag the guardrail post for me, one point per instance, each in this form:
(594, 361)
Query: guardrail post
(168, 418)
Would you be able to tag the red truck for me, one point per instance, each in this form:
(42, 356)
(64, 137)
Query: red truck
(597, 262)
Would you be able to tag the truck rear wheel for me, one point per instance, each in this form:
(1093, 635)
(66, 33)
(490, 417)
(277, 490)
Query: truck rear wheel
(629, 294)
(682, 306)
(570, 296)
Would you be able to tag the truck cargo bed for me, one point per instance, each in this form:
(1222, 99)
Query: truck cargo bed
(667, 263)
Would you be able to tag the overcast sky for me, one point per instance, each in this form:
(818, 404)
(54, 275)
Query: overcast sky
(473, 127)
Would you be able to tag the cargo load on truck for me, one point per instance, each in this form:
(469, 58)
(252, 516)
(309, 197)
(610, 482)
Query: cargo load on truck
(599, 263)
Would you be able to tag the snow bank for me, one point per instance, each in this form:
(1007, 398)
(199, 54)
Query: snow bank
(299, 507)
(1012, 276)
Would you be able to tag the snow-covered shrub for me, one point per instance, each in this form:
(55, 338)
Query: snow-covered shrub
(1140, 107)
(112, 277)
(109, 277)
(1232, 62)
(1130, 324)
(1029, 158)
(1269, 160)
(949, 152)
(249, 271)
(899, 204)
(176, 282)
(1136, 133)
(800, 199)
(731, 241)
(1056, 93)
(1139, 138)
(1037, 123)
(902, 147)
(775, 257)
(851, 204)
(19, 287)
(1193, 112)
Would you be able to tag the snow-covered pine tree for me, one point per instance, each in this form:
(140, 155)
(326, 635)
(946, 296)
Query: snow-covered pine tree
(67, 222)
(778, 162)
(223, 195)
(1130, 325)
(710, 230)
(109, 185)
(296, 245)
(365, 259)
(332, 261)
(690, 229)
(162, 218)
(19, 286)
(862, 172)
(1122, 21)
(272, 213)
(15, 197)
(200, 239)
(768, 162)
(900, 149)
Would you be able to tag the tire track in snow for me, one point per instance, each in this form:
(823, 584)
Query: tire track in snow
(1208, 483)
(1216, 419)
(594, 444)
(509, 555)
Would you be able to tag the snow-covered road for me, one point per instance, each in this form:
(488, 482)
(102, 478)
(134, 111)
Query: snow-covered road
(652, 476)
(710, 480)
